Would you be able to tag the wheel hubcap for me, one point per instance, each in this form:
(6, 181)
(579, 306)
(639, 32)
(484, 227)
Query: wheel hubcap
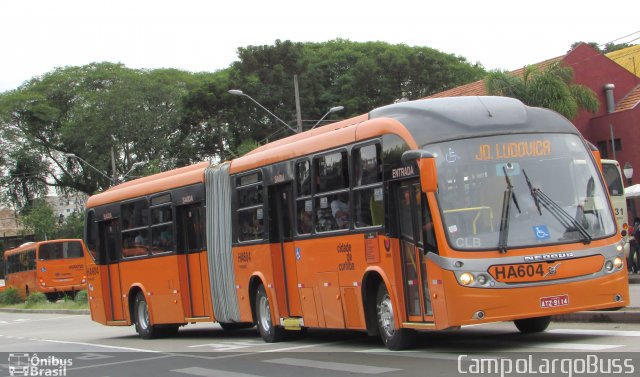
(265, 314)
(143, 314)
(387, 321)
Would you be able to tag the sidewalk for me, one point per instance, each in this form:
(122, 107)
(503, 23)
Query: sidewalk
(629, 314)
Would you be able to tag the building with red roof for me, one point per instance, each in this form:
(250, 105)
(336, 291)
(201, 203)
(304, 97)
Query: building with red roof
(617, 125)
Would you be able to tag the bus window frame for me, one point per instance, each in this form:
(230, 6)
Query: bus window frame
(91, 233)
(317, 195)
(157, 206)
(236, 188)
(379, 184)
(144, 227)
(303, 198)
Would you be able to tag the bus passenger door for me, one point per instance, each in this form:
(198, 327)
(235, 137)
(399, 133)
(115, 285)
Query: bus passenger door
(283, 255)
(408, 203)
(108, 233)
(190, 228)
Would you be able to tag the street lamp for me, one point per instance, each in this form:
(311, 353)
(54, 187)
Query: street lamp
(114, 179)
(135, 165)
(238, 92)
(331, 110)
(111, 179)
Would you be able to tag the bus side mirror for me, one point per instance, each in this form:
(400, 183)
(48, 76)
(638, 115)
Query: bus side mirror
(428, 174)
(427, 165)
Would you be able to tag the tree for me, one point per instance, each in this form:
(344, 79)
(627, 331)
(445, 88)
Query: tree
(608, 47)
(39, 220)
(358, 76)
(91, 111)
(552, 88)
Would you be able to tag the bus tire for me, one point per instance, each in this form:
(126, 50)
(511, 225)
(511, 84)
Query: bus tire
(268, 331)
(394, 339)
(232, 326)
(532, 325)
(52, 297)
(142, 320)
(168, 331)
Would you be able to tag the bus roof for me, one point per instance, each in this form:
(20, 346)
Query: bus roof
(167, 180)
(34, 245)
(417, 122)
(441, 119)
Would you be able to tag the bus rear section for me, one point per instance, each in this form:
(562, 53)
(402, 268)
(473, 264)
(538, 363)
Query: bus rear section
(60, 268)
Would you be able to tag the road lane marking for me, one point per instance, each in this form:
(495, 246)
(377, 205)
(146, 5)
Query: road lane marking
(24, 320)
(120, 362)
(82, 344)
(595, 332)
(301, 347)
(576, 346)
(230, 346)
(328, 365)
(206, 372)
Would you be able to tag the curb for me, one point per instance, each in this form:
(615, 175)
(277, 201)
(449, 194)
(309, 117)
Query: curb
(622, 316)
(46, 311)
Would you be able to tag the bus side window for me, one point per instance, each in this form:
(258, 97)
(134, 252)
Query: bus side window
(162, 230)
(304, 213)
(135, 237)
(90, 234)
(331, 174)
(367, 191)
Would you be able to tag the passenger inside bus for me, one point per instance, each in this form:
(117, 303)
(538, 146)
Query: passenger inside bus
(340, 210)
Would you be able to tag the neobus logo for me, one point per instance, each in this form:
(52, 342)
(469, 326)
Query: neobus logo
(548, 257)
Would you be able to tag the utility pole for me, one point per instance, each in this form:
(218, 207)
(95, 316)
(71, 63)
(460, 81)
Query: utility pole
(114, 177)
(297, 94)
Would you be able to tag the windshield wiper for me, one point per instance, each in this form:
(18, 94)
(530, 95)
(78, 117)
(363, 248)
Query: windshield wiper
(532, 191)
(568, 221)
(506, 206)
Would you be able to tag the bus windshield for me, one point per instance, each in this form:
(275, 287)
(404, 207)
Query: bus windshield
(60, 250)
(520, 190)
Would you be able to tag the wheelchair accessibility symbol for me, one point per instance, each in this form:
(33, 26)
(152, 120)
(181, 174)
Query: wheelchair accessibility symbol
(541, 232)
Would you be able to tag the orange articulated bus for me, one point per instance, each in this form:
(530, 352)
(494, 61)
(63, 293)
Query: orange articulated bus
(55, 268)
(423, 215)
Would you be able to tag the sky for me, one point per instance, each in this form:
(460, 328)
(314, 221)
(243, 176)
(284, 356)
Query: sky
(37, 36)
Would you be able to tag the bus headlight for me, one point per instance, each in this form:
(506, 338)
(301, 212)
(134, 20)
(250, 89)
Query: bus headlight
(608, 266)
(466, 278)
(618, 263)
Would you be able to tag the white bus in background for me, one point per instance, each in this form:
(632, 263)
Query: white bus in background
(615, 183)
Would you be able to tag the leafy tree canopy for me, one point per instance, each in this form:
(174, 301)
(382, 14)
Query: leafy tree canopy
(552, 88)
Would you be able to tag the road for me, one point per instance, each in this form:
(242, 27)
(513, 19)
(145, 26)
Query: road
(207, 350)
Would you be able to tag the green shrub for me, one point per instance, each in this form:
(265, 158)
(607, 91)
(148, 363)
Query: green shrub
(10, 296)
(81, 297)
(36, 298)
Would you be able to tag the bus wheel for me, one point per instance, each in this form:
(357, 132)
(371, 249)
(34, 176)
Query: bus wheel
(394, 339)
(269, 332)
(52, 297)
(144, 328)
(532, 325)
(231, 326)
(168, 331)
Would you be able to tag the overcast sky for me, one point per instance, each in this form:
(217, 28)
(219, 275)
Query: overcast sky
(37, 36)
